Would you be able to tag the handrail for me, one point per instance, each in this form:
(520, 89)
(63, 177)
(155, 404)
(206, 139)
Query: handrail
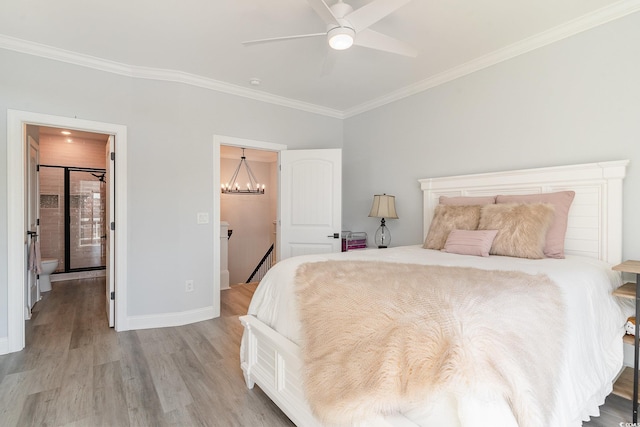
(264, 265)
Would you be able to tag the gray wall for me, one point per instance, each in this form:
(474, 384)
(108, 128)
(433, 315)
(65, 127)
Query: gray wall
(575, 101)
(170, 164)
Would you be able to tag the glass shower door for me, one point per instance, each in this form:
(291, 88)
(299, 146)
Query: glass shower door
(87, 231)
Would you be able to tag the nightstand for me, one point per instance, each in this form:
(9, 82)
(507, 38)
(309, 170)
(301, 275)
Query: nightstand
(629, 377)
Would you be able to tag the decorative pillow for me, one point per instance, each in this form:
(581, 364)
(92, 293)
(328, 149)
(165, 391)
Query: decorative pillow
(470, 242)
(522, 228)
(447, 218)
(561, 201)
(462, 200)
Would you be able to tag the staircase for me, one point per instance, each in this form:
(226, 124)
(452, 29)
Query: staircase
(263, 266)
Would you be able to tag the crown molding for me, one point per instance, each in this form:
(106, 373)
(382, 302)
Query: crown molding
(82, 60)
(578, 25)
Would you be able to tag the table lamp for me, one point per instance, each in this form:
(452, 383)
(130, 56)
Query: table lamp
(384, 206)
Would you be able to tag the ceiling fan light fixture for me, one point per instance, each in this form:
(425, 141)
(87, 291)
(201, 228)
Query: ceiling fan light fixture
(341, 38)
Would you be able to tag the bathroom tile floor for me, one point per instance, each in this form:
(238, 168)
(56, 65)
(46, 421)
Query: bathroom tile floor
(76, 371)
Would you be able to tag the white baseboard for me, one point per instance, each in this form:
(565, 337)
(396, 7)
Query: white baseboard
(165, 320)
(4, 345)
(224, 279)
(59, 277)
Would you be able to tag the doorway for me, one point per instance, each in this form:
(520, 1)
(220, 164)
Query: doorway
(17, 122)
(250, 214)
(309, 183)
(72, 200)
(218, 141)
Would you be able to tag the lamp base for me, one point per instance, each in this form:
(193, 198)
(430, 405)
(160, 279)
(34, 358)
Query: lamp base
(382, 236)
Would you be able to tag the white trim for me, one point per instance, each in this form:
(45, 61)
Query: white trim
(165, 320)
(4, 345)
(82, 60)
(16, 268)
(15, 232)
(219, 140)
(578, 25)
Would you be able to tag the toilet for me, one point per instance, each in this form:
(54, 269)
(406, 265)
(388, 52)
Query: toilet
(49, 265)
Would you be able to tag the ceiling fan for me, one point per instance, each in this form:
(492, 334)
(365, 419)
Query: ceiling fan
(347, 27)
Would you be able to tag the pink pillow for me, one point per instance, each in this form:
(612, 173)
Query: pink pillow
(470, 242)
(561, 201)
(461, 200)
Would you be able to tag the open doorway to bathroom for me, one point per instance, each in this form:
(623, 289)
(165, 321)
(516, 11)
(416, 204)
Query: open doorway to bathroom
(72, 197)
(19, 159)
(249, 216)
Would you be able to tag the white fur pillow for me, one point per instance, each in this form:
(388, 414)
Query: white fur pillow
(447, 218)
(522, 228)
(561, 201)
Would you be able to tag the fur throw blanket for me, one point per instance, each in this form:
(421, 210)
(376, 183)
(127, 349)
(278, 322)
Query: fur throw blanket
(379, 338)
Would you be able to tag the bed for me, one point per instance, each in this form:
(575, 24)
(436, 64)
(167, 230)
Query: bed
(589, 350)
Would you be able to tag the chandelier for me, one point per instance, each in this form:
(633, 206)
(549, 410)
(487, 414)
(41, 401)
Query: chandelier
(232, 186)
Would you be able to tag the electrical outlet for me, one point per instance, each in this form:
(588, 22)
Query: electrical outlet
(188, 286)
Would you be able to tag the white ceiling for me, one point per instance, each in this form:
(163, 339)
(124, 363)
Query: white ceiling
(199, 42)
(73, 134)
(228, 152)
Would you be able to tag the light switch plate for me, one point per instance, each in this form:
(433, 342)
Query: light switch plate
(203, 218)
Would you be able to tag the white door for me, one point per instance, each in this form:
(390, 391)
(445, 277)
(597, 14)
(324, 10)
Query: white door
(310, 202)
(109, 230)
(33, 213)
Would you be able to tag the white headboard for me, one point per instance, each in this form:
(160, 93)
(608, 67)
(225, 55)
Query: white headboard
(595, 218)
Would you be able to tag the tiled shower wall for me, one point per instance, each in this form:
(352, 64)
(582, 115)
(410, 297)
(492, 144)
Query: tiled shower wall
(56, 151)
(52, 214)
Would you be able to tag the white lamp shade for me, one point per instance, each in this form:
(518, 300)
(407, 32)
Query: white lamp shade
(384, 206)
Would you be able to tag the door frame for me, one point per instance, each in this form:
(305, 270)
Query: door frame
(32, 277)
(219, 140)
(16, 267)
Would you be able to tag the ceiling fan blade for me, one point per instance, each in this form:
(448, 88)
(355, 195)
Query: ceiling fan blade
(323, 11)
(277, 39)
(372, 12)
(374, 40)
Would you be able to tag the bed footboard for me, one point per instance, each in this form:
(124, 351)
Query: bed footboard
(273, 362)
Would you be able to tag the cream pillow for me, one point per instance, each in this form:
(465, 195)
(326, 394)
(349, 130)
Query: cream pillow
(522, 228)
(447, 218)
(561, 201)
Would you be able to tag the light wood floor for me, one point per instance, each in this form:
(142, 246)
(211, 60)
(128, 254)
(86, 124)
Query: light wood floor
(75, 371)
